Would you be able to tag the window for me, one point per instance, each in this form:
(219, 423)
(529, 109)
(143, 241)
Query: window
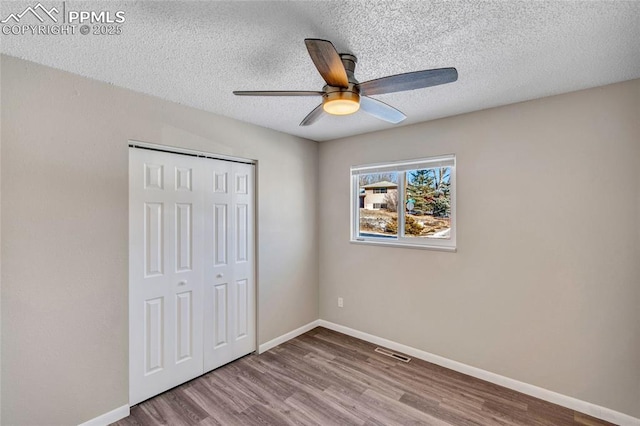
(406, 203)
(377, 206)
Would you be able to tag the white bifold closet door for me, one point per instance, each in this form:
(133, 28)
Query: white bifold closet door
(191, 263)
(229, 290)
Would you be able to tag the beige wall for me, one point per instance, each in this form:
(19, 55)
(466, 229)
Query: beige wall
(64, 233)
(545, 286)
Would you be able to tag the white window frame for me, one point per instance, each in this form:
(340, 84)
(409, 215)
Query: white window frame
(401, 167)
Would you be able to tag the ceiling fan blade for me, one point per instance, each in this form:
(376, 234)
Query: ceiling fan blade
(327, 61)
(313, 116)
(276, 93)
(381, 110)
(409, 81)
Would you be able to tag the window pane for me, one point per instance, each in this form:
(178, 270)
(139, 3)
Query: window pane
(378, 205)
(428, 203)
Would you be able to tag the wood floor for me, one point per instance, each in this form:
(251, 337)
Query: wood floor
(327, 378)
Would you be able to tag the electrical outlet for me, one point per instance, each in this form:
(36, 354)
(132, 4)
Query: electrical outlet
(340, 302)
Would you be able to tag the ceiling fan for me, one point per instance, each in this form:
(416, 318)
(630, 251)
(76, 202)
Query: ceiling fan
(343, 94)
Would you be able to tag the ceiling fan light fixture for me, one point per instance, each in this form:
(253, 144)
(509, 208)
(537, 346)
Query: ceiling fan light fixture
(341, 103)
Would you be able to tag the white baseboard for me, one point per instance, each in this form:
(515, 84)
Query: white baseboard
(535, 391)
(288, 336)
(108, 418)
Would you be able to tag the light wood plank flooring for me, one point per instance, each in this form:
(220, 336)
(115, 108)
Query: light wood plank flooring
(327, 378)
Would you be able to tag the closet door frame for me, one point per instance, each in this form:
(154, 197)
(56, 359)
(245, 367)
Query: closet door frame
(205, 155)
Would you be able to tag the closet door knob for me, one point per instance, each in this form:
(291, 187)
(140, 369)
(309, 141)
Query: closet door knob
(220, 275)
(182, 283)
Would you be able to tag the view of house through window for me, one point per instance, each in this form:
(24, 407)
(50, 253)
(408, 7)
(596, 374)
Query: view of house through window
(406, 202)
(378, 204)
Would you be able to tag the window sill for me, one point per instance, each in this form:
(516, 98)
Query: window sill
(404, 245)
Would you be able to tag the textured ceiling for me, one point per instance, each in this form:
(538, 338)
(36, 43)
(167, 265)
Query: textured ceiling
(196, 53)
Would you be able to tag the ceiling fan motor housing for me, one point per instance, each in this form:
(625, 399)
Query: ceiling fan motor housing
(349, 61)
(343, 100)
